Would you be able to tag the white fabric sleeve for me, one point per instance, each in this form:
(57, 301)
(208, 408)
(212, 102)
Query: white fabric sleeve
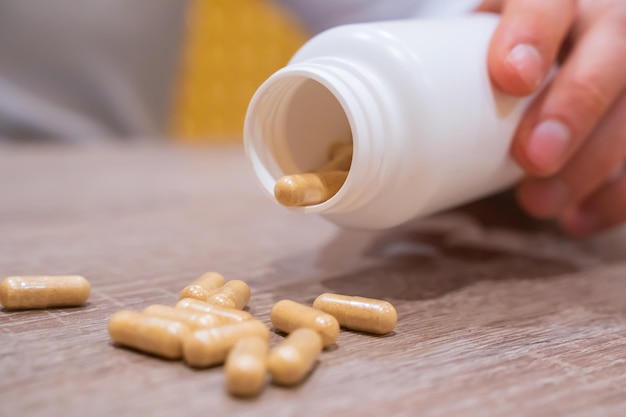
(88, 70)
(318, 15)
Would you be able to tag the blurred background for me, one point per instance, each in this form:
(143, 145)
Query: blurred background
(181, 71)
(94, 71)
(231, 47)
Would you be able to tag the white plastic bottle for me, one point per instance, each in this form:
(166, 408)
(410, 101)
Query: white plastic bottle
(428, 128)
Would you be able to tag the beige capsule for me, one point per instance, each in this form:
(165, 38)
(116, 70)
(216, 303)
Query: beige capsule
(228, 315)
(292, 360)
(156, 335)
(194, 319)
(202, 288)
(26, 292)
(340, 159)
(287, 316)
(337, 148)
(234, 294)
(210, 347)
(359, 313)
(246, 366)
(308, 189)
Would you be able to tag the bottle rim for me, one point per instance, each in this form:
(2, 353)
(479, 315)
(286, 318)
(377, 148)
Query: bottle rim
(264, 133)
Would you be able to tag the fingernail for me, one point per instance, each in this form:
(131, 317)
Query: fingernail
(548, 197)
(528, 63)
(580, 222)
(548, 145)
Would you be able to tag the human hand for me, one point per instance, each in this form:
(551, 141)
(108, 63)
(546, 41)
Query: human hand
(572, 141)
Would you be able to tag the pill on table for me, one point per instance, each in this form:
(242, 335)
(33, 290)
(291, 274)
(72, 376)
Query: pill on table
(246, 366)
(287, 316)
(228, 315)
(292, 360)
(234, 294)
(308, 189)
(210, 347)
(26, 292)
(201, 288)
(192, 318)
(359, 313)
(341, 160)
(156, 335)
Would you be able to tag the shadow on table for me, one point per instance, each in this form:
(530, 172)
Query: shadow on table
(429, 262)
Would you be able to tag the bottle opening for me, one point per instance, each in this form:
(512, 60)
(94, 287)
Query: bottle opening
(293, 121)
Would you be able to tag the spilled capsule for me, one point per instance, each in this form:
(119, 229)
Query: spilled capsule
(287, 316)
(202, 288)
(234, 294)
(156, 335)
(292, 360)
(210, 347)
(359, 313)
(227, 315)
(194, 319)
(41, 291)
(246, 366)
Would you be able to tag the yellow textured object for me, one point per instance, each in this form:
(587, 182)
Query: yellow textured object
(232, 46)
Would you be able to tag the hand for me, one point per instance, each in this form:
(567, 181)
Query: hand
(572, 141)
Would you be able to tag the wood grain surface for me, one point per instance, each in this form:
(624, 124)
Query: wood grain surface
(495, 318)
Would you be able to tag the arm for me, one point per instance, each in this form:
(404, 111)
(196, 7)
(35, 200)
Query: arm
(323, 14)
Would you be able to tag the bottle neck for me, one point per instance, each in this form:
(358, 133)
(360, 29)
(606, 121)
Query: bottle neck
(301, 110)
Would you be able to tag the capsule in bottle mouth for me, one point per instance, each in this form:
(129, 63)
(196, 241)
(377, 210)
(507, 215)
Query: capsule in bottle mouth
(299, 140)
(320, 185)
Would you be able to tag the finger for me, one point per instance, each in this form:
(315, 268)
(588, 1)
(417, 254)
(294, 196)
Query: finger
(492, 6)
(589, 168)
(602, 210)
(582, 92)
(526, 42)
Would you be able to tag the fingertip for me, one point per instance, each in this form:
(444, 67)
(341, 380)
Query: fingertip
(542, 199)
(526, 65)
(489, 6)
(547, 147)
(526, 42)
(578, 223)
(527, 200)
(516, 66)
(506, 68)
(542, 146)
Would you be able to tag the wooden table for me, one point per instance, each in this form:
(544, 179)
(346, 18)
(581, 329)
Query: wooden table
(494, 320)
